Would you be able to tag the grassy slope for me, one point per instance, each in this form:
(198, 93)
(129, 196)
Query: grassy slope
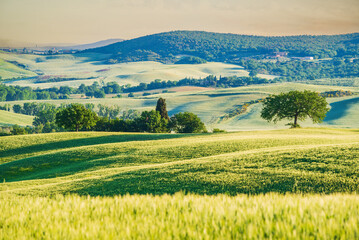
(9, 118)
(38, 168)
(322, 161)
(9, 70)
(344, 113)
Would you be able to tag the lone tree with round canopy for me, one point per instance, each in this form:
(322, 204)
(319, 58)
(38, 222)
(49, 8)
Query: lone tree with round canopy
(296, 105)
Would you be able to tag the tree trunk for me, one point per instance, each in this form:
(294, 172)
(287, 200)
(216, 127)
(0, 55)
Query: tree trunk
(295, 120)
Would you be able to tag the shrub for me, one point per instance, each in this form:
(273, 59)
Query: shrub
(187, 123)
(217, 130)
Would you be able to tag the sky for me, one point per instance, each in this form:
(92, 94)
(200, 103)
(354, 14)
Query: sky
(84, 21)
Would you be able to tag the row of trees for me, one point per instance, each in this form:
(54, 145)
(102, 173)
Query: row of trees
(77, 117)
(209, 81)
(35, 109)
(336, 93)
(14, 93)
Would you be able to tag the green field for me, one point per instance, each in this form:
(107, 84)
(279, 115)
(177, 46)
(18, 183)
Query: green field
(10, 118)
(306, 160)
(180, 216)
(106, 185)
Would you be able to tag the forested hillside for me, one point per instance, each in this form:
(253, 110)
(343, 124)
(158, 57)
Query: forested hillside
(229, 47)
(291, 57)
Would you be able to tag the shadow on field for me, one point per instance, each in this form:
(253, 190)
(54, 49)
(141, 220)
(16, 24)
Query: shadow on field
(88, 141)
(251, 181)
(231, 94)
(63, 163)
(339, 109)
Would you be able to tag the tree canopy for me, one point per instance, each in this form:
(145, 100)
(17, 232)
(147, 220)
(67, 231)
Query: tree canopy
(296, 105)
(76, 117)
(151, 121)
(187, 122)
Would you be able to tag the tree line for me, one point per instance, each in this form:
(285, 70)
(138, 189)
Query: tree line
(15, 93)
(209, 81)
(78, 117)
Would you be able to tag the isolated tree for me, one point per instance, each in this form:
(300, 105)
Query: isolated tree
(76, 117)
(296, 105)
(161, 107)
(187, 122)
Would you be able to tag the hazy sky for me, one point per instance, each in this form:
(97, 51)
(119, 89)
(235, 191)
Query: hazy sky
(85, 21)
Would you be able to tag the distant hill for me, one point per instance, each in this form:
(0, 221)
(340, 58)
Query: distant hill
(79, 47)
(93, 45)
(169, 46)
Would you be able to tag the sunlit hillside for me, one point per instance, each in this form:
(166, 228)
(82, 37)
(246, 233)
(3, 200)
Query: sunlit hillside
(10, 118)
(78, 69)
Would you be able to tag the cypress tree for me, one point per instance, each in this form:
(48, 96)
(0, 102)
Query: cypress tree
(161, 107)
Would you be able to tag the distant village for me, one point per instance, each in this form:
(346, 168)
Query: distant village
(285, 54)
(48, 51)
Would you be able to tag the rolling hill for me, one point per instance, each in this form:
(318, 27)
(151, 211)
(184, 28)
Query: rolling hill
(302, 160)
(288, 184)
(74, 70)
